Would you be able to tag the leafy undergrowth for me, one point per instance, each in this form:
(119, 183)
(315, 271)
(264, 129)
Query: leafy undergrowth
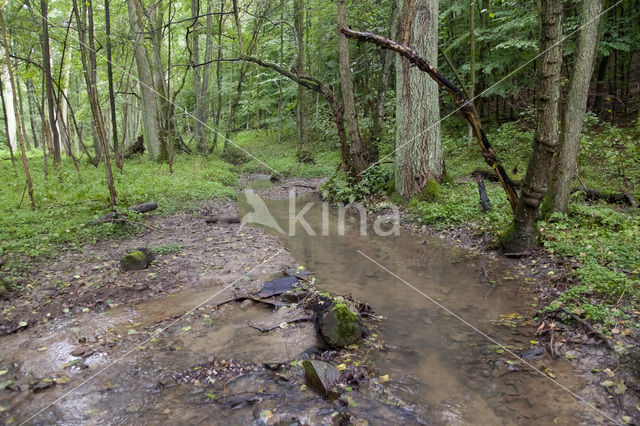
(265, 155)
(64, 208)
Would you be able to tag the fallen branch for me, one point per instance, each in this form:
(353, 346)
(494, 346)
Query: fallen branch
(586, 325)
(144, 207)
(609, 197)
(465, 105)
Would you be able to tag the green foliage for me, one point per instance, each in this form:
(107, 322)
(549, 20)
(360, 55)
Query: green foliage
(63, 209)
(267, 156)
(344, 189)
(168, 249)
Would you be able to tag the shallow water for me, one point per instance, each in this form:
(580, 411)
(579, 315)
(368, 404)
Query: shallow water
(448, 371)
(451, 372)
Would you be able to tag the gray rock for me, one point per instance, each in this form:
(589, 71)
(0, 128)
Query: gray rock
(321, 376)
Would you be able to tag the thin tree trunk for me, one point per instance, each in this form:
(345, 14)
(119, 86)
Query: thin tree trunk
(280, 61)
(88, 54)
(303, 127)
(32, 111)
(198, 128)
(6, 123)
(419, 154)
(567, 160)
(360, 158)
(472, 55)
(112, 99)
(25, 164)
(46, 69)
(218, 77)
(21, 109)
(7, 88)
(523, 234)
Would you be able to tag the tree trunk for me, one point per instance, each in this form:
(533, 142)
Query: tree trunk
(472, 55)
(567, 160)
(303, 126)
(7, 88)
(359, 158)
(219, 76)
(46, 69)
(25, 164)
(32, 112)
(523, 234)
(6, 122)
(112, 99)
(150, 114)
(386, 57)
(419, 150)
(198, 127)
(21, 109)
(88, 54)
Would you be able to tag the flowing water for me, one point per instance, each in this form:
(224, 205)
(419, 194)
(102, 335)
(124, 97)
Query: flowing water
(449, 372)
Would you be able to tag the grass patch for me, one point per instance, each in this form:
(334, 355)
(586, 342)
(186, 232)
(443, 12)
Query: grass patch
(64, 208)
(263, 145)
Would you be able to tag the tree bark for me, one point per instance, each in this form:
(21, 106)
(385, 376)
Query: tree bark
(150, 113)
(7, 88)
(419, 154)
(219, 76)
(25, 164)
(88, 53)
(46, 69)
(6, 123)
(523, 234)
(112, 99)
(584, 58)
(360, 158)
(198, 127)
(32, 112)
(465, 106)
(303, 125)
(21, 109)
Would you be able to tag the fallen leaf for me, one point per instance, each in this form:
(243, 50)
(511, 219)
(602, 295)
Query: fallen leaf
(42, 348)
(211, 396)
(3, 372)
(384, 379)
(626, 419)
(283, 325)
(341, 367)
(166, 411)
(133, 408)
(22, 323)
(62, 380)
(187, 328)
(132, 331)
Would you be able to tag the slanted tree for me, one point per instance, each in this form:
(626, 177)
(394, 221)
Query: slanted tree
(523, 233)
(419, 154)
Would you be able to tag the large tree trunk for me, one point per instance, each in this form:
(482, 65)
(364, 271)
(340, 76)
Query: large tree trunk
(25, 164)
(523, 234)
(360, 159)
(150, 114)
(419, 149)
(88, 53)
(46, 69)
(567, 160)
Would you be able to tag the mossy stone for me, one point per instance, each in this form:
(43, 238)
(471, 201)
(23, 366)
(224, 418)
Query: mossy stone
(135, 260)
(339, 326)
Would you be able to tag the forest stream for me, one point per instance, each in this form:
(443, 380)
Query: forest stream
(209, 367)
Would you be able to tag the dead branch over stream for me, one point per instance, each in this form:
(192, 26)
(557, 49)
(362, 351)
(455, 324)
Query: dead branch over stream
(465, 105)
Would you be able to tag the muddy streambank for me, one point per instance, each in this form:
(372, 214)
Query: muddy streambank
(189, 339)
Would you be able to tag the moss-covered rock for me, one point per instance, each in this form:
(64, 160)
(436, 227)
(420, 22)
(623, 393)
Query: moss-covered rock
(136, 260)
(338, 325)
